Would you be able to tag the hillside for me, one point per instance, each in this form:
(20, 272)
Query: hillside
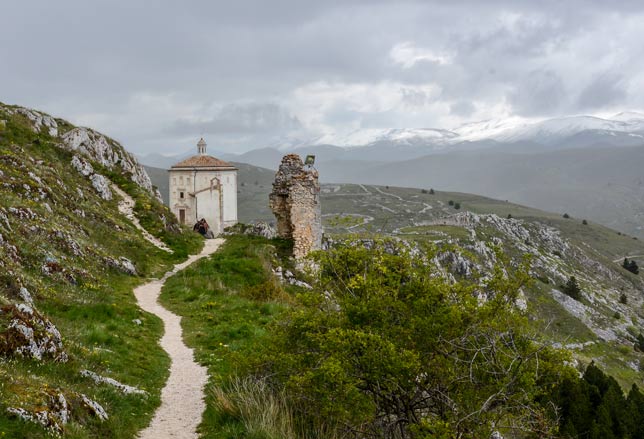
(601, 184)
(76, 353)
(602, 326)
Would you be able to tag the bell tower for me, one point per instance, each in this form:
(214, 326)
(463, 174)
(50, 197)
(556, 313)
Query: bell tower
(201, 146)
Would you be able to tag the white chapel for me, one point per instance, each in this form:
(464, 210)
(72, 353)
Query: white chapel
(203, 186)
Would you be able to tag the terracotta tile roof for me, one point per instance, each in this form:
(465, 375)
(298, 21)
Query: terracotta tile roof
(203, 161)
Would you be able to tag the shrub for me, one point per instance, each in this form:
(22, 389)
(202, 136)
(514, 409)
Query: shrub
(623, 299)
(565, 215)
(265, 291)
(571, 288)
(631, 266)
(457, 205)
(379, 333)
(423, 191)
(509, 216)
(450, 202)
(584, 222)
(431, 191)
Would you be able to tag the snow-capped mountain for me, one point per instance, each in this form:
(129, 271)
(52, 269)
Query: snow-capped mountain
(401, 136)
(627, 126)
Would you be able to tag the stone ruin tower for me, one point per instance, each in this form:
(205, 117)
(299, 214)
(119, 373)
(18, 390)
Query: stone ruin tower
(295, 201)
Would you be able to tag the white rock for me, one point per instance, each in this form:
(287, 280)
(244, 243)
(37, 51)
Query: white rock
(102, 186)
(95, 408)
(98, 148)
(25, 296)
(98, 379)
(82, 166)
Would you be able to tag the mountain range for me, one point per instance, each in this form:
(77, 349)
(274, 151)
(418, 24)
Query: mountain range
(585, 166)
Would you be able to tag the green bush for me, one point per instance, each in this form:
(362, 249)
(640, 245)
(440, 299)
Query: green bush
(571, 288)
(385, 348)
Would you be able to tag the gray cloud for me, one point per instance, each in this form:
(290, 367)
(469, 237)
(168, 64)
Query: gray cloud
(243, 119)
(212, 66)
(539, 93)
(604, 90)
(462, 108)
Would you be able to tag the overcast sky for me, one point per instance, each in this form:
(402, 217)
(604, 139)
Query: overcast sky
(157, 75)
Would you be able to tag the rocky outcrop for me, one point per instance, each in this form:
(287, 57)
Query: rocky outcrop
(295, 201)
(262, 229)
(58, 409)
(89, 143)
(98, 379)
(100, 183)
(38, 120)
(102, 186)
(29, 334)
(108, 153)
(121, 264)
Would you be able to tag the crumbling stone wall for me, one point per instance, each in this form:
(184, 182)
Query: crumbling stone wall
(295, 201)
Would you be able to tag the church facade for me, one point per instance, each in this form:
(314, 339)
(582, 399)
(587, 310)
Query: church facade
(203, 186)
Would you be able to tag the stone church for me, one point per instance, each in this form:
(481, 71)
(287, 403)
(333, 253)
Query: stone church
(203, 186)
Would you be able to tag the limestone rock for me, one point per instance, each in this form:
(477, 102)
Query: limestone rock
(98, 379)
(109, 154)
(102, 186)
(30, 334)
(121, 264)
(58, 409)
(25, 295)
(38, 120)
(82, 166)
(295, 201)
(95, 408)
(262, 229)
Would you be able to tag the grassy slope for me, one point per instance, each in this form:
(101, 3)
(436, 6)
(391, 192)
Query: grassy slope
(95, 313)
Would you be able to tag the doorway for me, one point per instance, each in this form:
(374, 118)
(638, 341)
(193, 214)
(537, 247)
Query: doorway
(182, 216)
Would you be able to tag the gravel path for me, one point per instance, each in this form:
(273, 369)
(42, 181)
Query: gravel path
(126, 207)
(182, 398)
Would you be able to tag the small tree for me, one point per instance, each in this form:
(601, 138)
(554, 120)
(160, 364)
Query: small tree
(572, 288)
(509, 215)
(423, 191)
(631, 266)
(457, 205)
(639, 343)
(565, 215)
(450, 202)
(584, 222)
(431, 191)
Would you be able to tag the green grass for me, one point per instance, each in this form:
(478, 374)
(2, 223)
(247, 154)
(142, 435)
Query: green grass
(221, 319)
